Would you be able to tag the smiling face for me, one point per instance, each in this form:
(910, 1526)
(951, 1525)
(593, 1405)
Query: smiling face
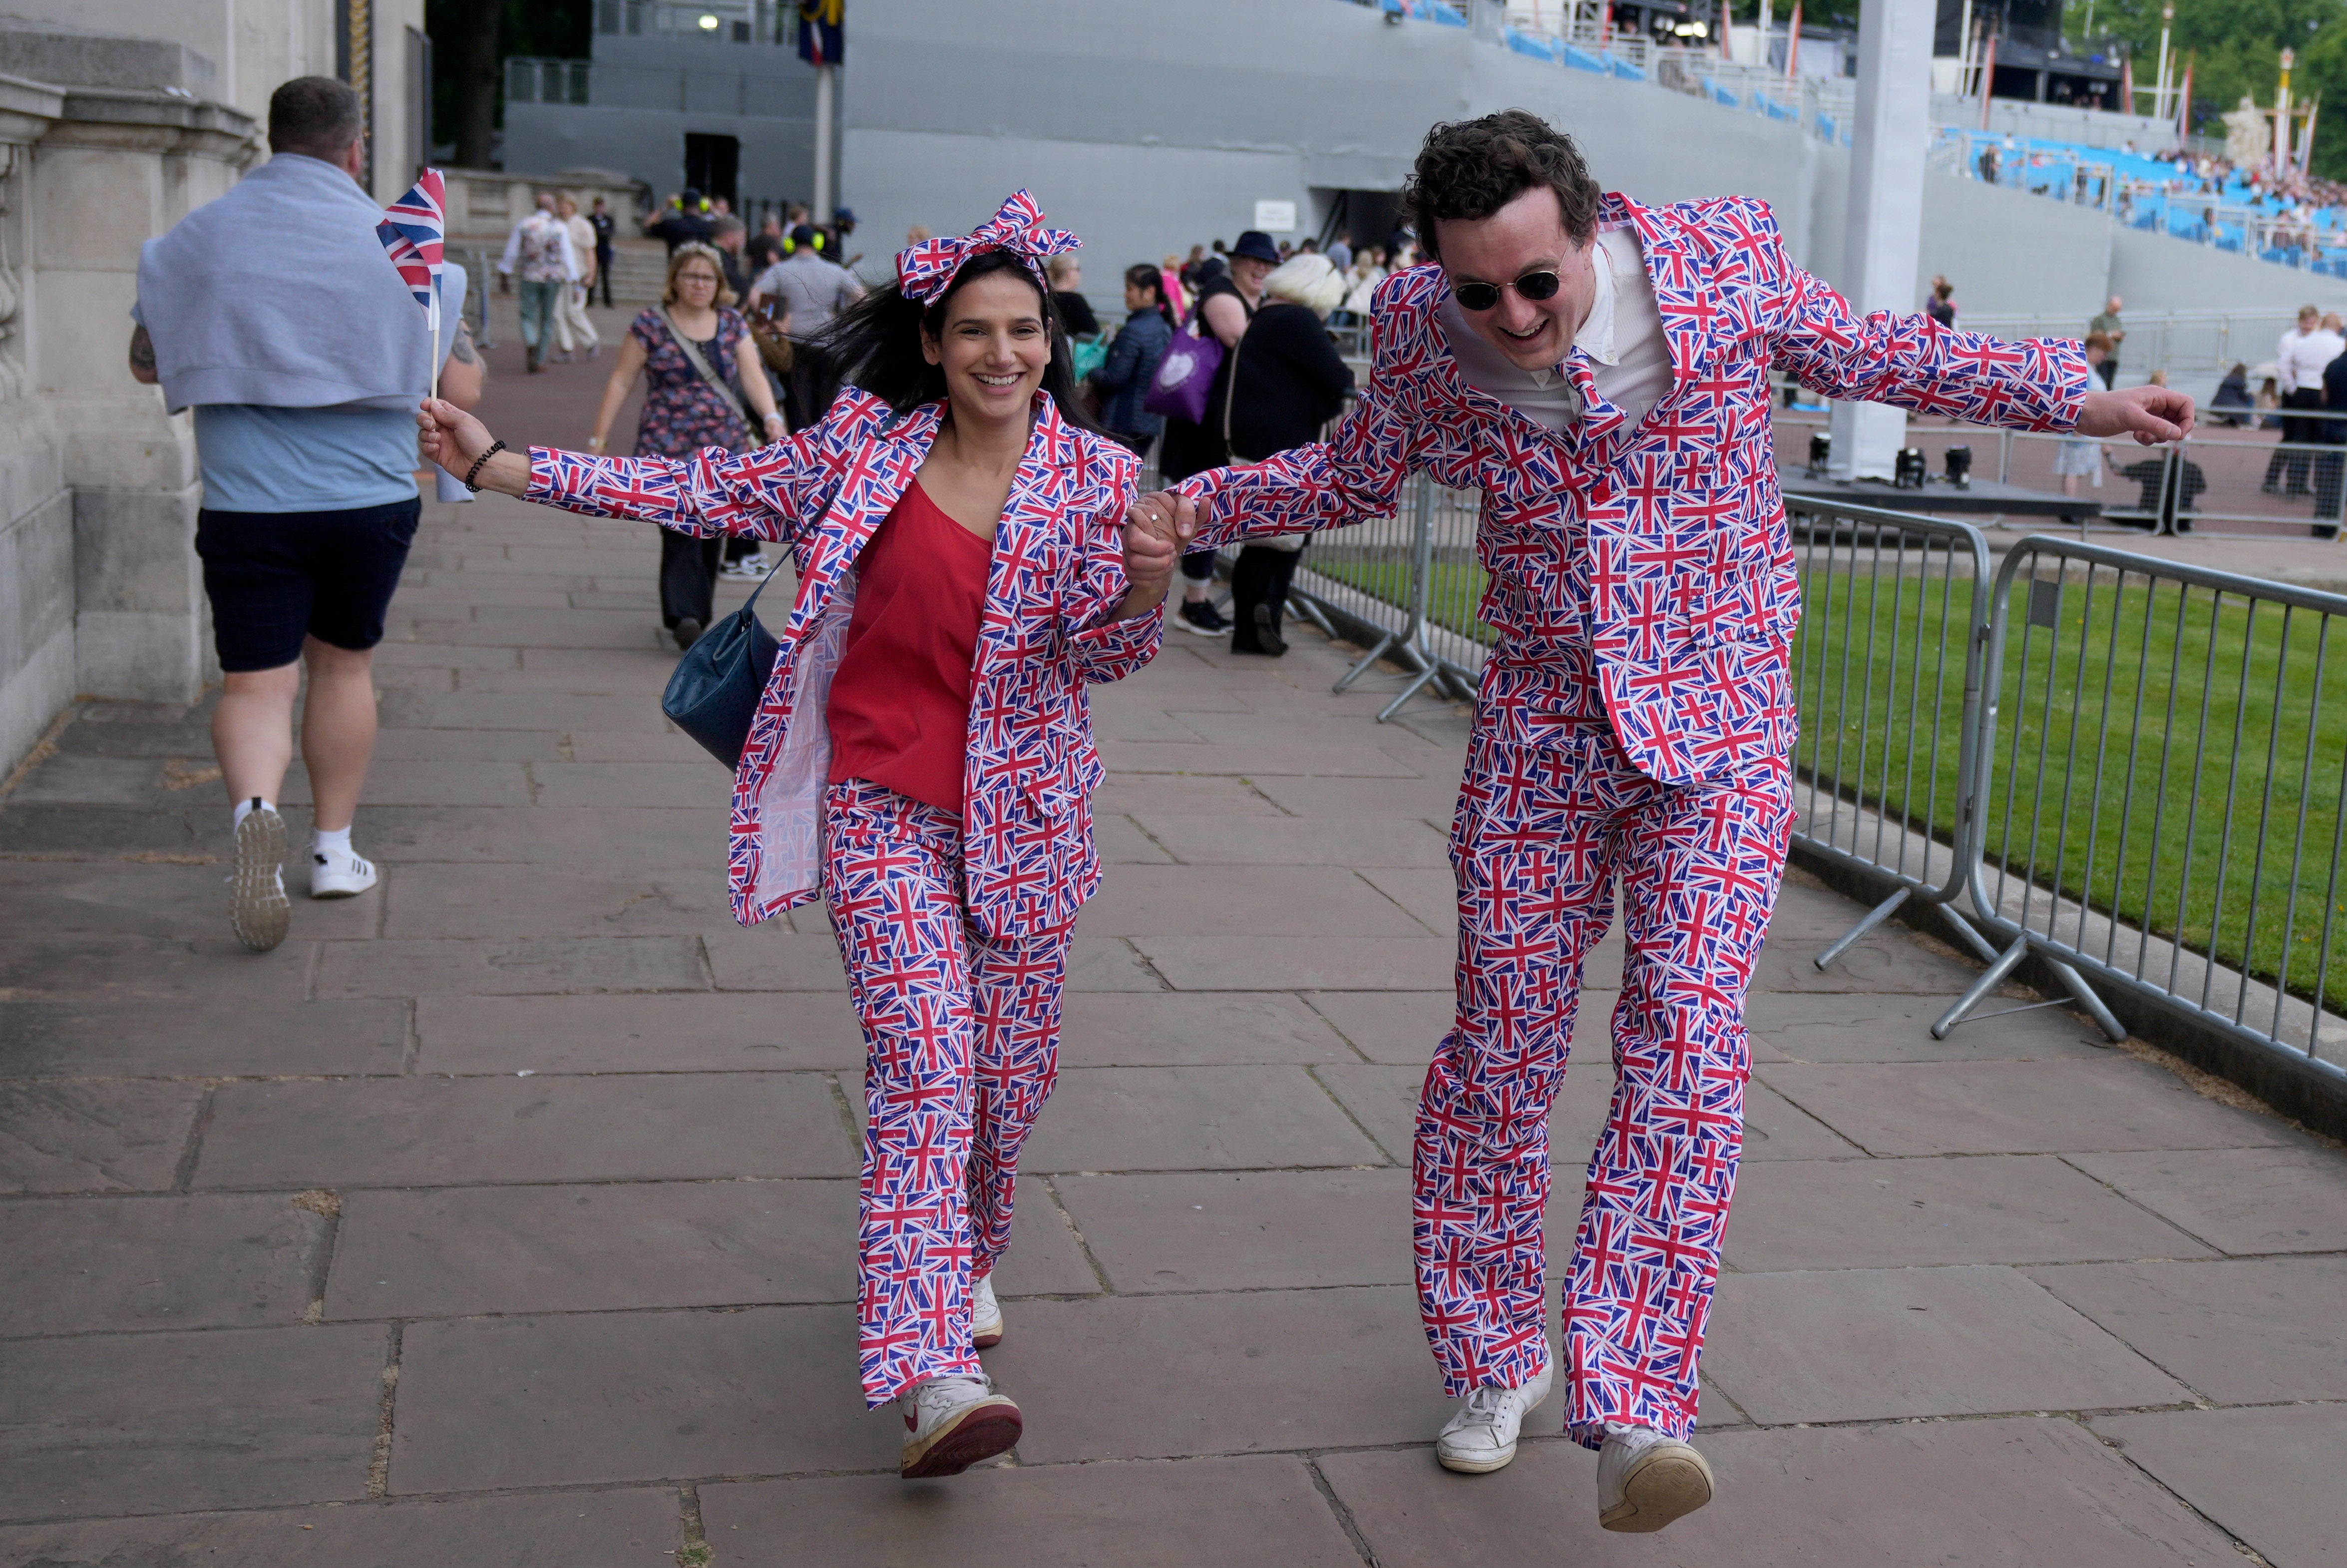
(1527, 235)
(993, 346)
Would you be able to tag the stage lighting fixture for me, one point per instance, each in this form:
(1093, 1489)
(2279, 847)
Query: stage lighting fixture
(1960, 467)
(1908, 475)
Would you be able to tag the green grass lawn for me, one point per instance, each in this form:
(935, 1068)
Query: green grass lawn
(2156, 753)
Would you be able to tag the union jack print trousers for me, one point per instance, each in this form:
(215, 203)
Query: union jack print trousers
(1545, 829)
(961, 1046)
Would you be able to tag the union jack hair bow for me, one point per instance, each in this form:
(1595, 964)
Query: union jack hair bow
(926, 271)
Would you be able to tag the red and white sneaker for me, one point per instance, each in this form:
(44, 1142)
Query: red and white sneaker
(985, 1315)
(954, 1421)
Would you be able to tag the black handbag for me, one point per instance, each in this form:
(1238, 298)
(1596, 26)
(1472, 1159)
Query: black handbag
(717, 683)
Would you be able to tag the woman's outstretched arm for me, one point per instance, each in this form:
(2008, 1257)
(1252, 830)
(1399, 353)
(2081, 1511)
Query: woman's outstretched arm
(772, 493)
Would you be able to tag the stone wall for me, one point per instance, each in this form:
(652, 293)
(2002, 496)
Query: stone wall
(97, 486)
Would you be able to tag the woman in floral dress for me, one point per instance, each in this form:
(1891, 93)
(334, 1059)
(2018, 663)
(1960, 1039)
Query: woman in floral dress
(683, 413)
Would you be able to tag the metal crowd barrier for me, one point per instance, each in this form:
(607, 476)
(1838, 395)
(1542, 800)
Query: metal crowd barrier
(2153, 816)
(2132, 770)
(1887, 679)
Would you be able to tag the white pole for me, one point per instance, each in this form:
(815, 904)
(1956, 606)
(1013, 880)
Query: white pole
(825, 89)
(1884, 239)
(2159, 97)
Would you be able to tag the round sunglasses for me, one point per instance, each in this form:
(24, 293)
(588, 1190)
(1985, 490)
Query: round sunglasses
(1480, 297)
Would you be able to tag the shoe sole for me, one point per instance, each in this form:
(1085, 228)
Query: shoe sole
(987, 1338)
(259, 912)
(1670, 1481)
(978, 1431)
(1201, 630)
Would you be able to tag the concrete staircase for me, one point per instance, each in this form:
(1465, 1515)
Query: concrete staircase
(638, 273)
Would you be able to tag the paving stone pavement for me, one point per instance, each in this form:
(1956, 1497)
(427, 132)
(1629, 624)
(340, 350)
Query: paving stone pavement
(504, 1214)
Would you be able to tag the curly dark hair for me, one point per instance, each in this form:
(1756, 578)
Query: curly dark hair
(1470, 168)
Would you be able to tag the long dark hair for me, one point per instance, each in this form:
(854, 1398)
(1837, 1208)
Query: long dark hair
(876, 343)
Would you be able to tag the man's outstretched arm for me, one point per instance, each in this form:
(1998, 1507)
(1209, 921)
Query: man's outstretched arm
(1913, 363)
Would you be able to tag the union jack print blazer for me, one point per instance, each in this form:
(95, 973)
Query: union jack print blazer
(1661, 551)
(1058, 573)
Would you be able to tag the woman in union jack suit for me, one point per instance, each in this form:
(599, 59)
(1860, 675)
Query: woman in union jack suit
(923, 756)
(1600, 369)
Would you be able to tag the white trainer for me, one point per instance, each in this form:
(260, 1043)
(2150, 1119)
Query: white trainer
(258, 910)
(1482, 1437)
(335, 876)
(1646, 1480)
(985, 1315)
(954, 1421)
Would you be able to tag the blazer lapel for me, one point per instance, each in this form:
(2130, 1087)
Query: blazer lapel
(1681, 297)
(1022, 538)
(877, 475)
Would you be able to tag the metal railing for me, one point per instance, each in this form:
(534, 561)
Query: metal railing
(535, 80)
(1887, 679)
(2129, 769)
(2162, 813)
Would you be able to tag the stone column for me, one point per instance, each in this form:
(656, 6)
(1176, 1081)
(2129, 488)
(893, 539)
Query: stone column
(118, 166)
(1883, 241)
(37, 586)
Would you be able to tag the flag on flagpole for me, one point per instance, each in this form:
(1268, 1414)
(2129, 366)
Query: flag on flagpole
(823, 31)
(413, 231)
(2184, 104)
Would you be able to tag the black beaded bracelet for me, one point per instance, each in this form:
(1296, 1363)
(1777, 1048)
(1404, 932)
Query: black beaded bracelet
(475, 471)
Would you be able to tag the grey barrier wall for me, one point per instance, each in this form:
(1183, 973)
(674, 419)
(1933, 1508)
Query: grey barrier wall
(2125, 772)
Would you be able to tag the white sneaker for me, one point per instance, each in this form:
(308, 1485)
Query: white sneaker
(954, 1421)
(985, 1315)
(1646, 1480)
(258, 910)
(333, 876)
(1482, 1437)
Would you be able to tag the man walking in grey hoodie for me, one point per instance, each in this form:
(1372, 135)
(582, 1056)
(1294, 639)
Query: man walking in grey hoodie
(276, 314)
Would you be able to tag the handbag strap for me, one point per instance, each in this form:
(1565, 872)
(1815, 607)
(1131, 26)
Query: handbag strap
(1232, 395)
(733, 395)
(751, 604)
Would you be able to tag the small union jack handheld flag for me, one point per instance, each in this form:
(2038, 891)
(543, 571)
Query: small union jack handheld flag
(413, 231)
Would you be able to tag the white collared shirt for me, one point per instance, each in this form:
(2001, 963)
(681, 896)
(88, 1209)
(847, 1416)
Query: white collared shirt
(1622, 333)
(2299, 357)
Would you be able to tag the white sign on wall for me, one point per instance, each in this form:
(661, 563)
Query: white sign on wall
(1275, 217)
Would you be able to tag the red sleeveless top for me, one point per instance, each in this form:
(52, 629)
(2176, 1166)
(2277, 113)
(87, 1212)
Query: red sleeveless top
(899, 710)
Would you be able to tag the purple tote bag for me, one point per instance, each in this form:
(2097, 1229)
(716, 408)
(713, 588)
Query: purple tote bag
(1185, 376)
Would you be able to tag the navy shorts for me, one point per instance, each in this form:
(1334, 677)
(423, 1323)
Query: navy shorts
(275, 578)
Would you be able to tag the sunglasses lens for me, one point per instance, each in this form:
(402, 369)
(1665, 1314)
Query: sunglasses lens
(1537, 286)
(1477, 296)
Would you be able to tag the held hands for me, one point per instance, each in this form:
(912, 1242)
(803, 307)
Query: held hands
(1157, 529)
(2150, 414)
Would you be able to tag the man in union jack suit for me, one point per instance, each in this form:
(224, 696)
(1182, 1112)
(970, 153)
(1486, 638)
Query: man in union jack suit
(1599, 369)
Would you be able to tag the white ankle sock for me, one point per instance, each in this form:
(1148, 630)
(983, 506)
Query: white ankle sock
(335, 843)
(245, 808)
